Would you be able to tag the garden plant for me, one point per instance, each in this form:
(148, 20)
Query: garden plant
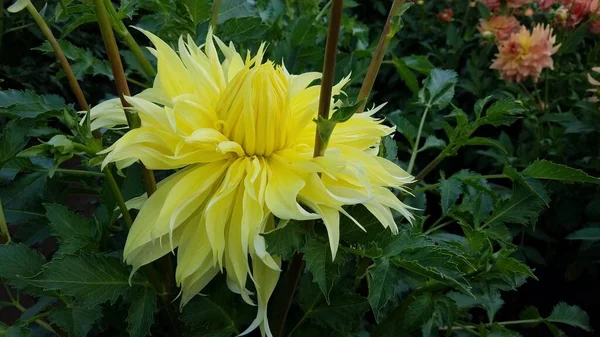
(299, 168)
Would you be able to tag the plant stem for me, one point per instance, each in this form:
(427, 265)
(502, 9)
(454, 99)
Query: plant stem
(436, 185)
(60, 55)
(522, 321)
(4, 224)
(133, 120)
(112, 184)
(415, 149)
(214, 17)
(333, 36)
(78, 172)
(15, 302)
(306, 314)
(435, 162)
(133, 46)
(382, 46)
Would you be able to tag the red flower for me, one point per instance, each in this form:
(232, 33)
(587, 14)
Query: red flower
(445, 15)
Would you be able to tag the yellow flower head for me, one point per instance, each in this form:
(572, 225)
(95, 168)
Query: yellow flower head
(241, 132)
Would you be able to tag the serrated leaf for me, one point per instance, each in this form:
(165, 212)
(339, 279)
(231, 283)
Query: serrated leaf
(544, 169)
(533, 185)
(480, 141)
(77, 321)
(585, 234)
(419, 312)
(432, 142)
(26, 104)
(23, 192)
(318, 259)
(406, 75)
(479, 105)
(83, 60)
(450, 191)
(141, 312)
(459, 115)
(509, 266)
(345, 112)
(67, 225)
(491, 301)
(530, 313)
(198, 10)
(393, 245)
(92, 278)
(18, 260)
(523, 208)
(241, 29)
(285, 240)
(571, 315)
(418, 63)
(502, 112)
(341, 312)
(438, 88)
(383, 280)
(13, 139)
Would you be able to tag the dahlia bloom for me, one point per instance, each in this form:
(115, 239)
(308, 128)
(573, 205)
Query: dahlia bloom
(578, 10)
(241, 134)
(445, 15)
(501, 26)
(525, 54)
(594, 27)
(595, 83)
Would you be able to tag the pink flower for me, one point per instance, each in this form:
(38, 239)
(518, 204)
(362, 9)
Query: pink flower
(501, 26)
(578, 10)
(525, 54)
(594, 27)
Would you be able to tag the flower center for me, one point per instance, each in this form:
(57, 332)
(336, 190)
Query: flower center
(255, 110)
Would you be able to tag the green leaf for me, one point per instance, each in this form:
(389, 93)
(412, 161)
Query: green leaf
(523, 208)
(26, 104)
(285, 240)
(393, 245)
(438, 88)
(92, 278)
(418, 63)
(502, 112)
(419, 312)
(345, 112)
(317, 256)
(214, 315)
(13, 139)
(141, 312)
(383, 279)
(241, 29)
(544, 169)
(531, 184)
(571, 315)
(509, 266)
(67, 225)
(83, 61)
(431, 142)
(341, 312)
(479, 105)
(406, 75)
(450, 191)
(530, 313)
(461, 117)
(77, 321)
(573, 39)
(491, 301)
(18, 260)
(198, 10)
(324, 128)
(23, 192)
(585, 234)
(480, 141)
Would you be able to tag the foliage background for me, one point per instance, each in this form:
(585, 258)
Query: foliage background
(565, 133)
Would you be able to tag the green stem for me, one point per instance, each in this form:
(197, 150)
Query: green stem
(434, 186)
(433, 164)
(4, 224)
(133, 120)
(60, 55)
(133, 46)
(323, 11)
(382, 46)
(415, 149)
(306, 314)
(522, 321)
(78, 172)
(440, 226)
(112, 184)
(15, 302)
(333, 36)
(25, 212)
(138, 83)
(214, 17)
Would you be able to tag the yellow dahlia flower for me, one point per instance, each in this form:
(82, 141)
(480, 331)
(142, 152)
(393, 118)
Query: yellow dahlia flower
(525, 54)
(241, 132)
